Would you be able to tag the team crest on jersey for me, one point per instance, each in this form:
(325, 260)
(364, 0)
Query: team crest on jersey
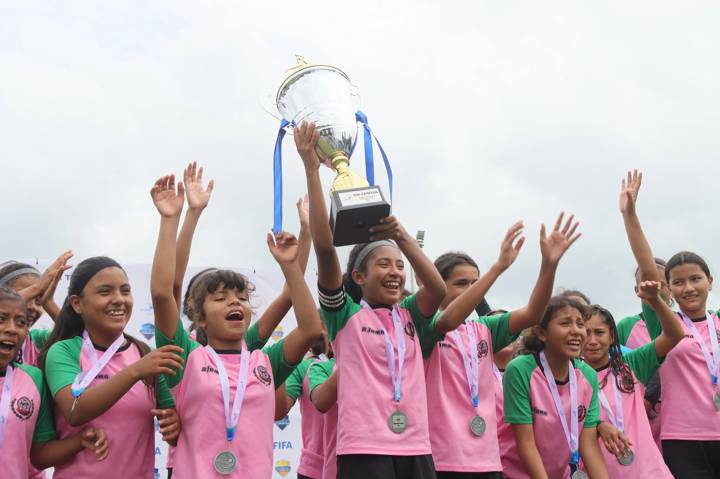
(482, 348)
(582, 412)
(262, 375)
(22, 407)
(282, 467)
(410, 329)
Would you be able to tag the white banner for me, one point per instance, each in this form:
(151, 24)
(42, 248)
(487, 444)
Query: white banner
(268, 284)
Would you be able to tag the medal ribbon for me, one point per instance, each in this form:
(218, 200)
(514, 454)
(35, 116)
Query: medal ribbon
(710, 359)
(84, 378)
(232, 415)
(5, 402)
(616, 419)
(395, 373)
(572, 434)
(470, 360)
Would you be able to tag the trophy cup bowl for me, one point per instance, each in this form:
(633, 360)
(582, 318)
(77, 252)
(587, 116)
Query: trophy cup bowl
(323, 94)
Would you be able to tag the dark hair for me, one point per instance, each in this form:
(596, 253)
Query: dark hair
(12, 266)
(351, 287)
(531, 342)
(620, 369)
(447, 262)
(569, 293)
(70, 324)
(685, 257)
(208, 283)
(658, 262)
(186, 308)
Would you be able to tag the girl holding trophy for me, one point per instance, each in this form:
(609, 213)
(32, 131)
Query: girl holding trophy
(376, 335)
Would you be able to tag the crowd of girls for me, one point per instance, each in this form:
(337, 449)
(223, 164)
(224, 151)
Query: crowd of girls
(391, 384)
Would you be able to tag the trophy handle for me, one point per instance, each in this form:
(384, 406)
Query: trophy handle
(267, 103)
(355, 95)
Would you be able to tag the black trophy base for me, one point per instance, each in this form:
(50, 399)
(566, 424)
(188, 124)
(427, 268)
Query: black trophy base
(354, 211)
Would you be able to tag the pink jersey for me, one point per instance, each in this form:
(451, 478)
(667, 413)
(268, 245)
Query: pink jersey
(311, 459)
(128, 423)
(29, 420)
(528, 400)
(639, 335)
(648, 460)
(687, 391)
(454, 446)
(366, 401)
(317, 374)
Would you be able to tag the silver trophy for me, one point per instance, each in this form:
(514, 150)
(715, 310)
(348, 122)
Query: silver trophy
(323, 94)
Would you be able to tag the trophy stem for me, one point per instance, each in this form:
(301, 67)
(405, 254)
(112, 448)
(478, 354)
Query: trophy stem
(346, 178)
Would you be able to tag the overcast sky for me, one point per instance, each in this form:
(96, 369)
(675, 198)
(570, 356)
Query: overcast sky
(490, 112)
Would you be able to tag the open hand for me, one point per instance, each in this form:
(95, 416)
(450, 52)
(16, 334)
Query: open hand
(169, 424)
(197, 196)
(629, 192)
(388, 228)
(95, 440)
(509, 251)
(553, 247)
(283, 246)
(168, 200)
(163, 360)
(52, 275)
(306, 139)
(303, 207)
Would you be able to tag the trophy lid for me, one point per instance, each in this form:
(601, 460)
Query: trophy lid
(301, 68)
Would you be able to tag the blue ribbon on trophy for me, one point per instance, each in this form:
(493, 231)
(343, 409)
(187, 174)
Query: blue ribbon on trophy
(321, 93)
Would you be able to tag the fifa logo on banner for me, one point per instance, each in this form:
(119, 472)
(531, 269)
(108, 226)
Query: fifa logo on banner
(283, 423)
(147, 330)
(282, 467)
(277, 334)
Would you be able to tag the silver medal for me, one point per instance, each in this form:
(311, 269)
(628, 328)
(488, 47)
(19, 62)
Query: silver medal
(716, 401)
(225, 463)
(478, 426)
(626, 458)
(398, 422)
(579, 475)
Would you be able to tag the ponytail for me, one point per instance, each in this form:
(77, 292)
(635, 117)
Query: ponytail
(620, 369)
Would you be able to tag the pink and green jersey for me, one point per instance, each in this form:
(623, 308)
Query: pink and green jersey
(128, 423)
(528, 400)
(198, 395)
(29, 420)
(365, 394)
(311, 457)
(688, 411)
(318, 373)
(648, 462)
(34, 343)
(454, 446)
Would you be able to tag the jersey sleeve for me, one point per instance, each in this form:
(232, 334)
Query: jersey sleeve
(39, 337)
(163, 397)
(336, 308)
(253, 339)
(182, 339)
(424, 325)
(45, 426)
(294, 382)
(643, 361)
(319, 372)
(516, 390)
(624, 328)
(651, 320)
(62, 364)
(280, 368)
(593, 414)
(499, 326)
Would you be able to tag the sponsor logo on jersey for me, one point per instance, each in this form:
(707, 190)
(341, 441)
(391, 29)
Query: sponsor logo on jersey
(22, 407)
(283, 445)
(262, 375)
(582, 412)
(410, 329)
(369, 330)
(539, 411)
(147, 330)
(277, 334)
(283, 423)
(282, 467)
(209, 369)
(482, 349)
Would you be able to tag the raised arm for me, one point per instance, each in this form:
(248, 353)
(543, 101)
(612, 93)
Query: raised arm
(552, 247)
(433, 289)
(169, 203)
(284, 248)
(279, 307)
(329, 271)
(672, 331)
(197, 199)
(638, 242)
(48, 281)
(462, 306)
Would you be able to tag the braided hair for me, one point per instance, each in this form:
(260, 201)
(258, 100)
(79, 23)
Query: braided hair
(620, 369)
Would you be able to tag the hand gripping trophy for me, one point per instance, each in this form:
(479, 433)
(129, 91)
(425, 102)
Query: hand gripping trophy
(323, 94)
